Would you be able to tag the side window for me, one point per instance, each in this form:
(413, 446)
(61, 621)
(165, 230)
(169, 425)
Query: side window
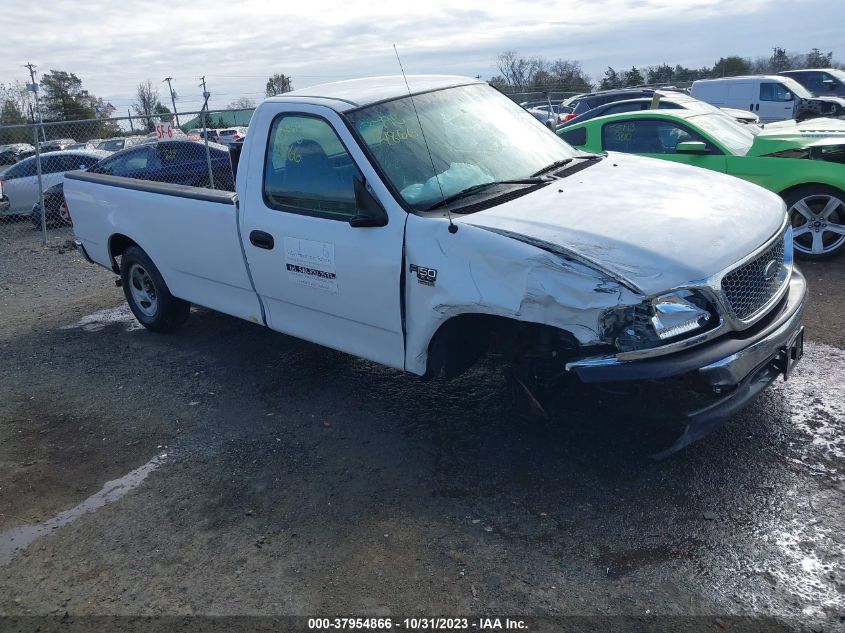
(52, 164)
(89, 161)
(23, 169)
(189, 152)
(308, 169)
(645, 136)
(771, 91)
(127, 164)
(575, 137)
(71, 162)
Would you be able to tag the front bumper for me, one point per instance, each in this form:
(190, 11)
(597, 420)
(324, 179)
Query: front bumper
(733, 369)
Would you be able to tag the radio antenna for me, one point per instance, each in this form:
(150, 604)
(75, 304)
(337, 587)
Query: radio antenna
(453, 228)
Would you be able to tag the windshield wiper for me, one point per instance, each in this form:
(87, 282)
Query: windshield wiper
(558, 163)
(463, 193)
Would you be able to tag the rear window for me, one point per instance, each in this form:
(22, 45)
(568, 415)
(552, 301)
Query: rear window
(228, 132)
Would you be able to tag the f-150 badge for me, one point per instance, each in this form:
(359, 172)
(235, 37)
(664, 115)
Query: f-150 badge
(426, 276)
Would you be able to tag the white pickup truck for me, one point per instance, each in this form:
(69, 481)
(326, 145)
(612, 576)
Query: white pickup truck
(424, 225)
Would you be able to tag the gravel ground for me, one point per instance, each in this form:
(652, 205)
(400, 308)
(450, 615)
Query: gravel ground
(280, 478)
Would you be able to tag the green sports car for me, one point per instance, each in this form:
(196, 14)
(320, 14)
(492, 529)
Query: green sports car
(802, 162)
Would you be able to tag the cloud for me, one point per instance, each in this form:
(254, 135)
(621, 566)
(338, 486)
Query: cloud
(112, 46)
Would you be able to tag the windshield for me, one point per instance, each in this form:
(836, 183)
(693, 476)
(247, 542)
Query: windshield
(839, 74)
(475, 134)
(795, 88)
(735, 136)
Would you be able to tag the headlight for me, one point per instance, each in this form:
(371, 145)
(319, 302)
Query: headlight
(651, 323)
(676, 314)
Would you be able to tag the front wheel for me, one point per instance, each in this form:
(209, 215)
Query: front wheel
(147, 294)
(817, 215)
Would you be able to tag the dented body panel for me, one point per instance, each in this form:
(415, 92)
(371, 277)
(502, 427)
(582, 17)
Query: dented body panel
(482, 272)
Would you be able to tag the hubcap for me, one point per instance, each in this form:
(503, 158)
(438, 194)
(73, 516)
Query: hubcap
(143, 290)
(818, 224)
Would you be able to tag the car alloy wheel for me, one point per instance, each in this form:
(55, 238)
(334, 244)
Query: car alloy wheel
(818, 224)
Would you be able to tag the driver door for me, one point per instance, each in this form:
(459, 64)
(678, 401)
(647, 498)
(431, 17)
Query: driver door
(319, 277)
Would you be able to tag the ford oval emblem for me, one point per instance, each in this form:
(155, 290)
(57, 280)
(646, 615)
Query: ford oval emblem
(770, 270)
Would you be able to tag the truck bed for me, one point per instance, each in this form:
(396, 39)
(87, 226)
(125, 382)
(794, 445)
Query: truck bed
(191, 233)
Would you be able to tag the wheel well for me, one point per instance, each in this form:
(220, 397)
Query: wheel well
(804, 185)
(464, 339)
(117, 246)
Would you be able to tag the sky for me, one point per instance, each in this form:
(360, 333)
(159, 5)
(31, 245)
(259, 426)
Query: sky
(236, 45)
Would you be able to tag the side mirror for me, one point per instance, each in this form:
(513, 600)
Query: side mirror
(691, 147)
(788, 96)
(370, 212)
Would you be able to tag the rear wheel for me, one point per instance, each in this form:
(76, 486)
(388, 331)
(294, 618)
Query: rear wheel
(147, 294)
(817, 215)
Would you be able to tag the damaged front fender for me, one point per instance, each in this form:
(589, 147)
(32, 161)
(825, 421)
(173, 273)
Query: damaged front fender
(486, 272)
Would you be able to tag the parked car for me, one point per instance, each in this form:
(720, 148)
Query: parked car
(20, 181)
(821, 82)
(57, 211)
(232, 135)
(582, 103)
(212, 135)
(123, 142)
(802, 162)
(55, 145)
(387, 220)
(668, 101)
(85, 145)
(771, 97)
(177, 162)
(14, 153)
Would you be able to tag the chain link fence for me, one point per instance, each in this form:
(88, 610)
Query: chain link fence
(190, 148)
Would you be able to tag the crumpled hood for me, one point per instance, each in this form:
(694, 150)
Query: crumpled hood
(652, 223)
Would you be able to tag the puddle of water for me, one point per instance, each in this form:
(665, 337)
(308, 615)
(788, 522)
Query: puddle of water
(102, 318)
(16, 539)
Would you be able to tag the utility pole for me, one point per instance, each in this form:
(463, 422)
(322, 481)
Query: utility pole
(172, 98)
(204, 113)
(131, 127)
(38, 171)
(34, 88)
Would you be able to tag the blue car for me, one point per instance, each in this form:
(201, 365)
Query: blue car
(177, 162)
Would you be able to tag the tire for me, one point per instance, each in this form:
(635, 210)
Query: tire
(817, 215)
(147, 294)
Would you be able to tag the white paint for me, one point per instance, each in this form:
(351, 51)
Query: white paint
(658, 225)
(16, 539)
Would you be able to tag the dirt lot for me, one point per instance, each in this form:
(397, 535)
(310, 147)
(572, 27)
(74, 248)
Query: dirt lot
(278, 477)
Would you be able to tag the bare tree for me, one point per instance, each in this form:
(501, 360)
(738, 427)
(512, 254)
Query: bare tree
(146, 101)
(514, 69)
(243, 103)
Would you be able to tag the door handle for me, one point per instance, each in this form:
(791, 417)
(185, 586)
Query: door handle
(751, 107)
(262, 239)
(757, 108)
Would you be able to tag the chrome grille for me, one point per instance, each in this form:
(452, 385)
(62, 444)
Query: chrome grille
(747, 289)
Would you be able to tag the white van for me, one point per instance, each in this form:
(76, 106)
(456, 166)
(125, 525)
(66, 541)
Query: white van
(770, 97)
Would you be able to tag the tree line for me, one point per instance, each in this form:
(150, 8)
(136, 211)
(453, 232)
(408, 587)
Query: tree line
(64, 100)
(517, 73)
